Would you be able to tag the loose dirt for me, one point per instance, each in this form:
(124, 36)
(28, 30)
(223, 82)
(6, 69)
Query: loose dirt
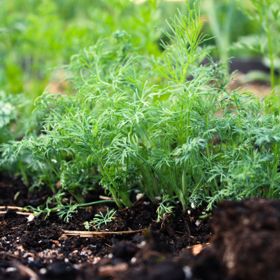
(239, 241)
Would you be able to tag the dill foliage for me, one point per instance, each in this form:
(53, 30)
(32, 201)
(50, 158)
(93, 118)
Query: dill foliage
(165, 125)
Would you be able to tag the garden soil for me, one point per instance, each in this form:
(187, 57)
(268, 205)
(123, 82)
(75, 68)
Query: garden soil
(240, 240)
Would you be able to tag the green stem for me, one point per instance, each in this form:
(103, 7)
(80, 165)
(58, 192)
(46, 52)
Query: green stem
(222, 36)
(87, 204)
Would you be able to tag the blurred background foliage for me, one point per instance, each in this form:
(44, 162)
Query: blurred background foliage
(37, 38)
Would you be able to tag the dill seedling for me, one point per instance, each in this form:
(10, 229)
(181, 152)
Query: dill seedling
(101, 219)
(165, 207)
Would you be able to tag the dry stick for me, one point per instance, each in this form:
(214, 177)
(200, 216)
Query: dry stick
(99, 233)
(18, 210)
(12, 208)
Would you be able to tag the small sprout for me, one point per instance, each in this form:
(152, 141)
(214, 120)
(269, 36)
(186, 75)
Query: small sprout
(101, 219)
(164, 208)
(87, 225)
(66, 212)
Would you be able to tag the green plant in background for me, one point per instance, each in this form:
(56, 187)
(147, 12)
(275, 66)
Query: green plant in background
(43, 35)
(265, 13)
(221, 27)
(226, 23)
(244, 29)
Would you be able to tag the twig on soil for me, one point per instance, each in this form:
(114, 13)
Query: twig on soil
(18, 210)
(86, 234)
(13, 208)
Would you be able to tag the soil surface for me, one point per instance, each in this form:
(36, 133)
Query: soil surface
(239, 242)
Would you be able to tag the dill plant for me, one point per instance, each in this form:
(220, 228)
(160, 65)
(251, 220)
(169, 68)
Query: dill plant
(165, 125)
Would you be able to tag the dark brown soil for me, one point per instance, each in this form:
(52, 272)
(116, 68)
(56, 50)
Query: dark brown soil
(247, 238)
(14, 192)
(244, 243)
(248, 65)
(38, 247)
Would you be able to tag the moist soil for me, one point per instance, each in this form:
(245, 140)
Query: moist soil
(240, 240)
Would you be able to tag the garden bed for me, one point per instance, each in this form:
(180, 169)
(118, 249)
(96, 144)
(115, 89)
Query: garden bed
(151, 154)
(242, 242)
